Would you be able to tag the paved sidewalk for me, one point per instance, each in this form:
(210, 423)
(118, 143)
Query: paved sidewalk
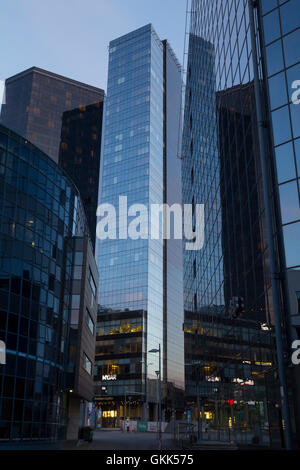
(119, 440)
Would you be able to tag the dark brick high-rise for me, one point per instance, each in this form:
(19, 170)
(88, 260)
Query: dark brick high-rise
(35, 102)
(79, 155)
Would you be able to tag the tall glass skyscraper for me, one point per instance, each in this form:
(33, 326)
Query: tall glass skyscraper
(139, 161)
(241, 130)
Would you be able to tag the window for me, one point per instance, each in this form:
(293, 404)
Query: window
(90, 322)
(274, 58)
(268, 5)
(289, 201)
(87, 364)
(277, 83)
(285, 162)
(271, 26)
(92, 283)
(291, 235)
(281, 125)
(51, 282)
(291, 43)
(289, 20)
(76, 301)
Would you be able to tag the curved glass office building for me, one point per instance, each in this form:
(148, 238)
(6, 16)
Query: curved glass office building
(40, 213)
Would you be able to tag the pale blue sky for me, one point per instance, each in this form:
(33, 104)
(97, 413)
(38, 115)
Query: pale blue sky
(71, 37)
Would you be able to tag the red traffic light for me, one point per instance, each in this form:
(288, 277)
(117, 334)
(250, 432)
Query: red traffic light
(230, 402)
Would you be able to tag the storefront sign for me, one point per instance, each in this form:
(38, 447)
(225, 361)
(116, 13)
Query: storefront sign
(109, 377)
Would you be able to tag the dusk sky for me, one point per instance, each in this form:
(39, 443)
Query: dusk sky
(70, 37)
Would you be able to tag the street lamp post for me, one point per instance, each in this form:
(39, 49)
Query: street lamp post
(124, 412)
(146, 398)
(199, 417)
(199, 402)
(159, 393)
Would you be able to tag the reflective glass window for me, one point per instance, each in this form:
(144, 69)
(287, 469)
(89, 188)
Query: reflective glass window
(274, 57)
(268, 5)
(291, 235)
(297, 150)
(289, 201)
(291, 48)
(271, 26)
(295, 116)
(285, 162)
(277, 88)
(87, 364)
(293, 75)
(89, 321)
(289, 20)
(281, 125)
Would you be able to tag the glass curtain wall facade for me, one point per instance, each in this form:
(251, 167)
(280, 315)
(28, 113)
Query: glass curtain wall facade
(222, 169)
(279, 26)
(40, 212)
(173, 276)
(133, 273)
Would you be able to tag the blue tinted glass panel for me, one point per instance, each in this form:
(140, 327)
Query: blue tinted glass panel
(295, 115)
(289, 200)
(285, 162)
(267, 5)
(291, 48)
(281, 125)
(289, 20)
(297, 150)
(291, 235)
(277, 88)
(293, 75)
(274, 58)
(271, 26)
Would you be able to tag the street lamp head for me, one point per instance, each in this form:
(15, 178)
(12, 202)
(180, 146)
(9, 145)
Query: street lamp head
(153, 350)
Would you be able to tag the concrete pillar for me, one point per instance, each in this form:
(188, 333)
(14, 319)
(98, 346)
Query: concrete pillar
(145, 412)
(155, 411)
(74, 416)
